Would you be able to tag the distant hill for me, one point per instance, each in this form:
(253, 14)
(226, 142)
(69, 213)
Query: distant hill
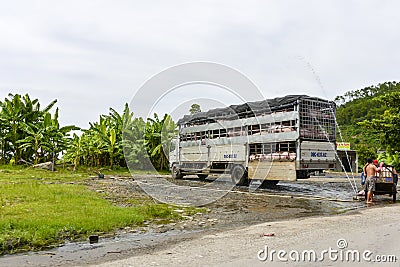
(359, 105)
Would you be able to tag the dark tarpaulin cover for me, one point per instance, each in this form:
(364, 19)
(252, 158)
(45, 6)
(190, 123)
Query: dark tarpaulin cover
(240, 111)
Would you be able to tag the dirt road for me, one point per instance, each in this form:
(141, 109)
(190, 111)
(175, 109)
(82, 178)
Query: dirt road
(237, 209)
(354, 239)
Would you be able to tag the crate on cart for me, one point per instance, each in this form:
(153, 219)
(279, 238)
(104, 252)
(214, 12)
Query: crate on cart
(386, 182)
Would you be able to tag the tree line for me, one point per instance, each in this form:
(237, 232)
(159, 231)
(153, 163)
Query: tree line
(31, 134)
(370, 119)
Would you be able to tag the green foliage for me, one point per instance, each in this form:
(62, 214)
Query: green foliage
(359, 105)
(158, 136)
(194, 108)
(101, 144)
(387, 125)
(390, 158)
(134, 144)
(367, 92)
(359, 117)
(34, 135)
(118, 139)
(28, 132)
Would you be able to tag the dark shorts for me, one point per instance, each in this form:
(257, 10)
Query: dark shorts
(370, 183)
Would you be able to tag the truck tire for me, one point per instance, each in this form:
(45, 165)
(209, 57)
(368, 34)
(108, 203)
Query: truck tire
(202, 176)
(269, 183)
(302, 174)
(238, 175)
(176, 172)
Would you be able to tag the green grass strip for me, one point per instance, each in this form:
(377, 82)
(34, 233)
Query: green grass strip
(36, 215)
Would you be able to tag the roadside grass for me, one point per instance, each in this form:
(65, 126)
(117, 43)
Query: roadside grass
(36, 212)
(20, 172)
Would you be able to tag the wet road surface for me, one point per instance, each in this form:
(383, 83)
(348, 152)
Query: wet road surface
(239, 207)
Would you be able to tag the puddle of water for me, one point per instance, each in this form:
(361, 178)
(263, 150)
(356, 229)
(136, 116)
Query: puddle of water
(339, 191)
(133, 239)
(84, 253)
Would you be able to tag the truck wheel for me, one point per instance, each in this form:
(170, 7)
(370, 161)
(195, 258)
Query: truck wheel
(176, 172)
(202, 176)
(302, 174)
(238, 175)
(269, 183)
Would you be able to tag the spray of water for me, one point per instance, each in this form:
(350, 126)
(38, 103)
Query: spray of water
(354, 186)
(347, 156)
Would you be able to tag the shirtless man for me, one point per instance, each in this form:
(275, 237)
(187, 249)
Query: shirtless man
(370, 170)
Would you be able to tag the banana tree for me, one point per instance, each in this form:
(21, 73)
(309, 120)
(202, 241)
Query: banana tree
(159, 134)
(390, 158)
(16, 112)
(35, 140)
(75, 150)
(134, 144)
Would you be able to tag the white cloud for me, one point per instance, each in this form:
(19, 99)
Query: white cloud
(94, 54)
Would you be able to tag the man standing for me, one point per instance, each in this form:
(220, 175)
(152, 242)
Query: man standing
(370, 171)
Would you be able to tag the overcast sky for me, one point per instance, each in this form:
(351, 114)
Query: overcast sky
(92, 55)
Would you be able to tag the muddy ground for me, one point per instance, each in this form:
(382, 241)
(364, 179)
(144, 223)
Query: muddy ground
(238, 208)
